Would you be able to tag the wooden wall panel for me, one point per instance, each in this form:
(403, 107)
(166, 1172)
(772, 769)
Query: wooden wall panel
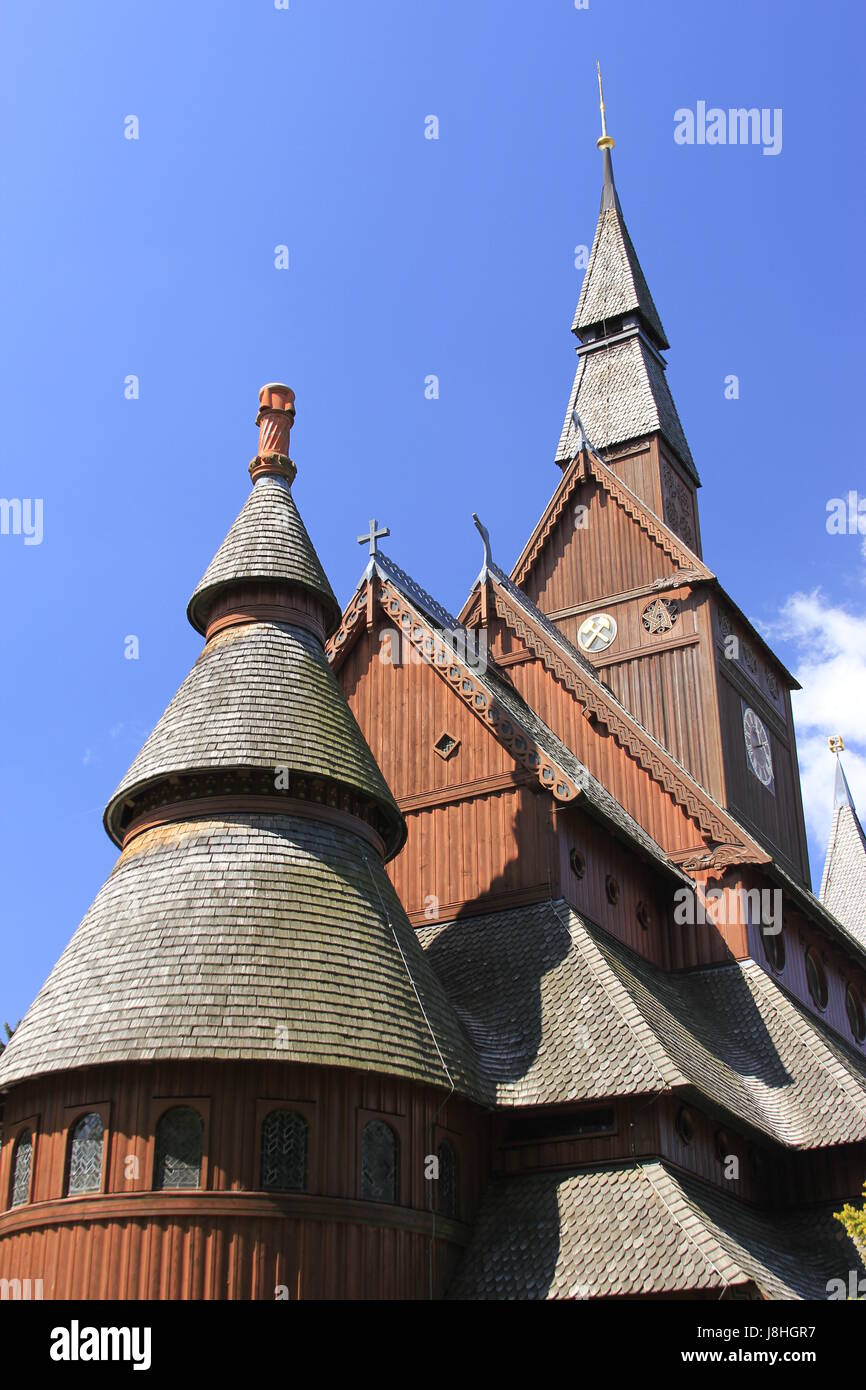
(606, 856)
(662, 690)
(638, 469)
(839, 968)
(230, 1239)
(701, 1155)
(667, 681)
(403, 709)
(608, 554)
(645, 800)
(774, 816)
(478, 854)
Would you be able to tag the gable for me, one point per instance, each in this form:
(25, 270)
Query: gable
(404, 707)
(599, 537)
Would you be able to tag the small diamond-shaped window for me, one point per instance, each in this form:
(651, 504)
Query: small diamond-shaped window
(446, 746)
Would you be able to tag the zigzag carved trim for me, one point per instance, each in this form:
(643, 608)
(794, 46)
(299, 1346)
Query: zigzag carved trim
(555, 508)
(647, 754)
(467, 684)
(586, 465)
(647, 520)
(340, 643)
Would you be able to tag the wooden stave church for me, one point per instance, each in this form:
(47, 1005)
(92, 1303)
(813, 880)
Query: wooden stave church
(390, 872)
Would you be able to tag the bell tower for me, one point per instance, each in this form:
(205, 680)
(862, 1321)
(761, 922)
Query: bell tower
(616, 558)
(620, 398)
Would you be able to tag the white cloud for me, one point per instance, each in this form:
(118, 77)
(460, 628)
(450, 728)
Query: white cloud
(830, 663)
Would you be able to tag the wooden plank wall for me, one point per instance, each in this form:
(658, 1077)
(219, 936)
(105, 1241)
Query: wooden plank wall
(133, 1242)
(645, 800)
(839, 967)
(774, 816)
(607, 554)
(605, 856)
(661, 680)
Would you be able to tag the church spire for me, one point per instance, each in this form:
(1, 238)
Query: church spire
(843, 884)
(620, 391)
(605, 143)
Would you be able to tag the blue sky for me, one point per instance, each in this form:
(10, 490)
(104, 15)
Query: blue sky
(408, 257)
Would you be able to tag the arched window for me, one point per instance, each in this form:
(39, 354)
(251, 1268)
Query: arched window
(816, 978)
(179, 1144)
(446, 1190)
(85, 1155)
(21, 1166)
(284, 1151)
(379, 1150)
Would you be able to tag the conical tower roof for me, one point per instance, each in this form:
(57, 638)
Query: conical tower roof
(261, 709)
(268, 541)
(249, 915)
(614, 283)
(843, 883)
(620, 389)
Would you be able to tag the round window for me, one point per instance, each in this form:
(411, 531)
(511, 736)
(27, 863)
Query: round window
(685, 1127)
(612, 889)
(816, 978)
(577, 862)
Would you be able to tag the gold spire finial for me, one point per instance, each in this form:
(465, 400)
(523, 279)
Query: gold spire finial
(836, 743)
(604, 141)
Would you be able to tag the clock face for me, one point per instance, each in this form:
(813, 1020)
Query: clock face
(758, 749)
(596, 632)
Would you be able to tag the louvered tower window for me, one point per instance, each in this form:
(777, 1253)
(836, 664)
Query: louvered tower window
(21, 1165)
(379, 1151)
(446, 1191)
(284, 1151)
(179, 1144)
(85, 1155)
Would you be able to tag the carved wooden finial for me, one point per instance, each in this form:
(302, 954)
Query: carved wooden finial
(485, 537)
(275, 418)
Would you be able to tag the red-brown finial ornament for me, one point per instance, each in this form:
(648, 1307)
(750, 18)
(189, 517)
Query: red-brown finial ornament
(275, 419)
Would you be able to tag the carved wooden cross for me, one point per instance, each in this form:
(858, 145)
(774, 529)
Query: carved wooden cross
(374, 535)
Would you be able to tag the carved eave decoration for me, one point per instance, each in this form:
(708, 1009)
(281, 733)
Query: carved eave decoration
(724, 835)
(355, 619)
(587, 466)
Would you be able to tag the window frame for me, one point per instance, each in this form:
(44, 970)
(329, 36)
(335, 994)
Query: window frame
(13, 1133)
(158, 1107)
(72, 1114)
(400, 1126)
(445, 1136)
(779, 938)
(853, 991)
(812, 953)
(308, 1110)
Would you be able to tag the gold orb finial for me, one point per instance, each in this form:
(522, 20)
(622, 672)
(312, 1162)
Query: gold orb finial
(836, 743)
(604, 141)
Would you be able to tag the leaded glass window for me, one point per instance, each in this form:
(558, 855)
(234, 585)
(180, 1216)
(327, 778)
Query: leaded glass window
(284, 1151)
(379, 1162)
(179, 1144)
(446, 1190)
(21, 1165)
(85, 1155)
